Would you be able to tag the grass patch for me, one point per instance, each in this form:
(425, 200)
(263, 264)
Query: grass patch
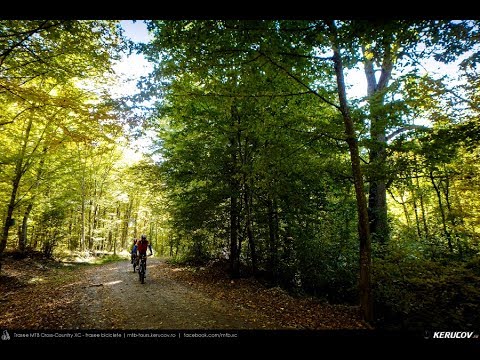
(175, 261)
(74, 258)
(108, 259)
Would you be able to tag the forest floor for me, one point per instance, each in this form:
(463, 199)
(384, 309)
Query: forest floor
(43, 294)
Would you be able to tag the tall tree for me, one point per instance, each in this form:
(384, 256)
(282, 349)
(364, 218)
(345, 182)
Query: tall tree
(366, 301)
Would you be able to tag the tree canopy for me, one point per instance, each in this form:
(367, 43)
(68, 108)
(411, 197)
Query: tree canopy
(265, 153)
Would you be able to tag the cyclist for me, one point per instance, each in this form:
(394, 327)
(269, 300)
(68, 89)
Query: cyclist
(133, 253)
(142, 246)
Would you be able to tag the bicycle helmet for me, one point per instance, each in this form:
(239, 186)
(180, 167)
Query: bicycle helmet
(144, 237)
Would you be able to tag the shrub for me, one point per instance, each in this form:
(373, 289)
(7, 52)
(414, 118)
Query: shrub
(418, 294)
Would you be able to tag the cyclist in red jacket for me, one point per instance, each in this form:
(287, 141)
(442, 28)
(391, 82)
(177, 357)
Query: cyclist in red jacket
(142, 246)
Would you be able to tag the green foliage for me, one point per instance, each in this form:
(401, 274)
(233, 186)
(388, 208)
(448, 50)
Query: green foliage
(51, 221)
(414, 293)
(251, 154)
(329, 270)
(242, 137)
(61, 140)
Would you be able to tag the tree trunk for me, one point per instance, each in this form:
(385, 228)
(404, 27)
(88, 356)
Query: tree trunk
(114, 245)
(366, 300)
(117, 229)
(22, 234)
(95, 222)
(461, 213)
(128, 213)
(424, 217)
(405, 210)
(70, 230)
(135, 224)
(451, 215)
(89, 231)
(9, 219)
(273, 236)
(19, 171)
(104, 216)
(377, 199)
(234, 194)
(248, 220)
(442, 212)
(460, 218)
(82, 223)
(377, 205)
(422, 205)
(82, 209)
(415, 210)
(234, 259)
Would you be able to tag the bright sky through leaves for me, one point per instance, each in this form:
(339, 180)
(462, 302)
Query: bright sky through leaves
(129, 70)
(131, 67)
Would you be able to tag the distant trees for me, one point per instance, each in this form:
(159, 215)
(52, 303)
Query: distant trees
(61, 176)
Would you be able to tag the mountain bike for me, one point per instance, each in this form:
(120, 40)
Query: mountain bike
(142, 267)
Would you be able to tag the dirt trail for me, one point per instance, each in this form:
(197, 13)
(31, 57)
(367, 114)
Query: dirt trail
(115, 298)
(39, 294)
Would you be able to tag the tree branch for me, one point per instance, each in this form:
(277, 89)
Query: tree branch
(363, 160)
(30, 32)
(393, 197)
(13, 93)
(469, 102)
(266, 29)
(323, 58)
(387, 67)
(4, 55)
(18, 114)
(300, 81)
(406, 128)
(369, 73)
(246, 95)
(315, 133)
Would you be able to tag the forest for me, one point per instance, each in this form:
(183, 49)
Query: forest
(331, 158)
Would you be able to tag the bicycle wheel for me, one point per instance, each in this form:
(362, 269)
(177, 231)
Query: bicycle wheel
(141, 273)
